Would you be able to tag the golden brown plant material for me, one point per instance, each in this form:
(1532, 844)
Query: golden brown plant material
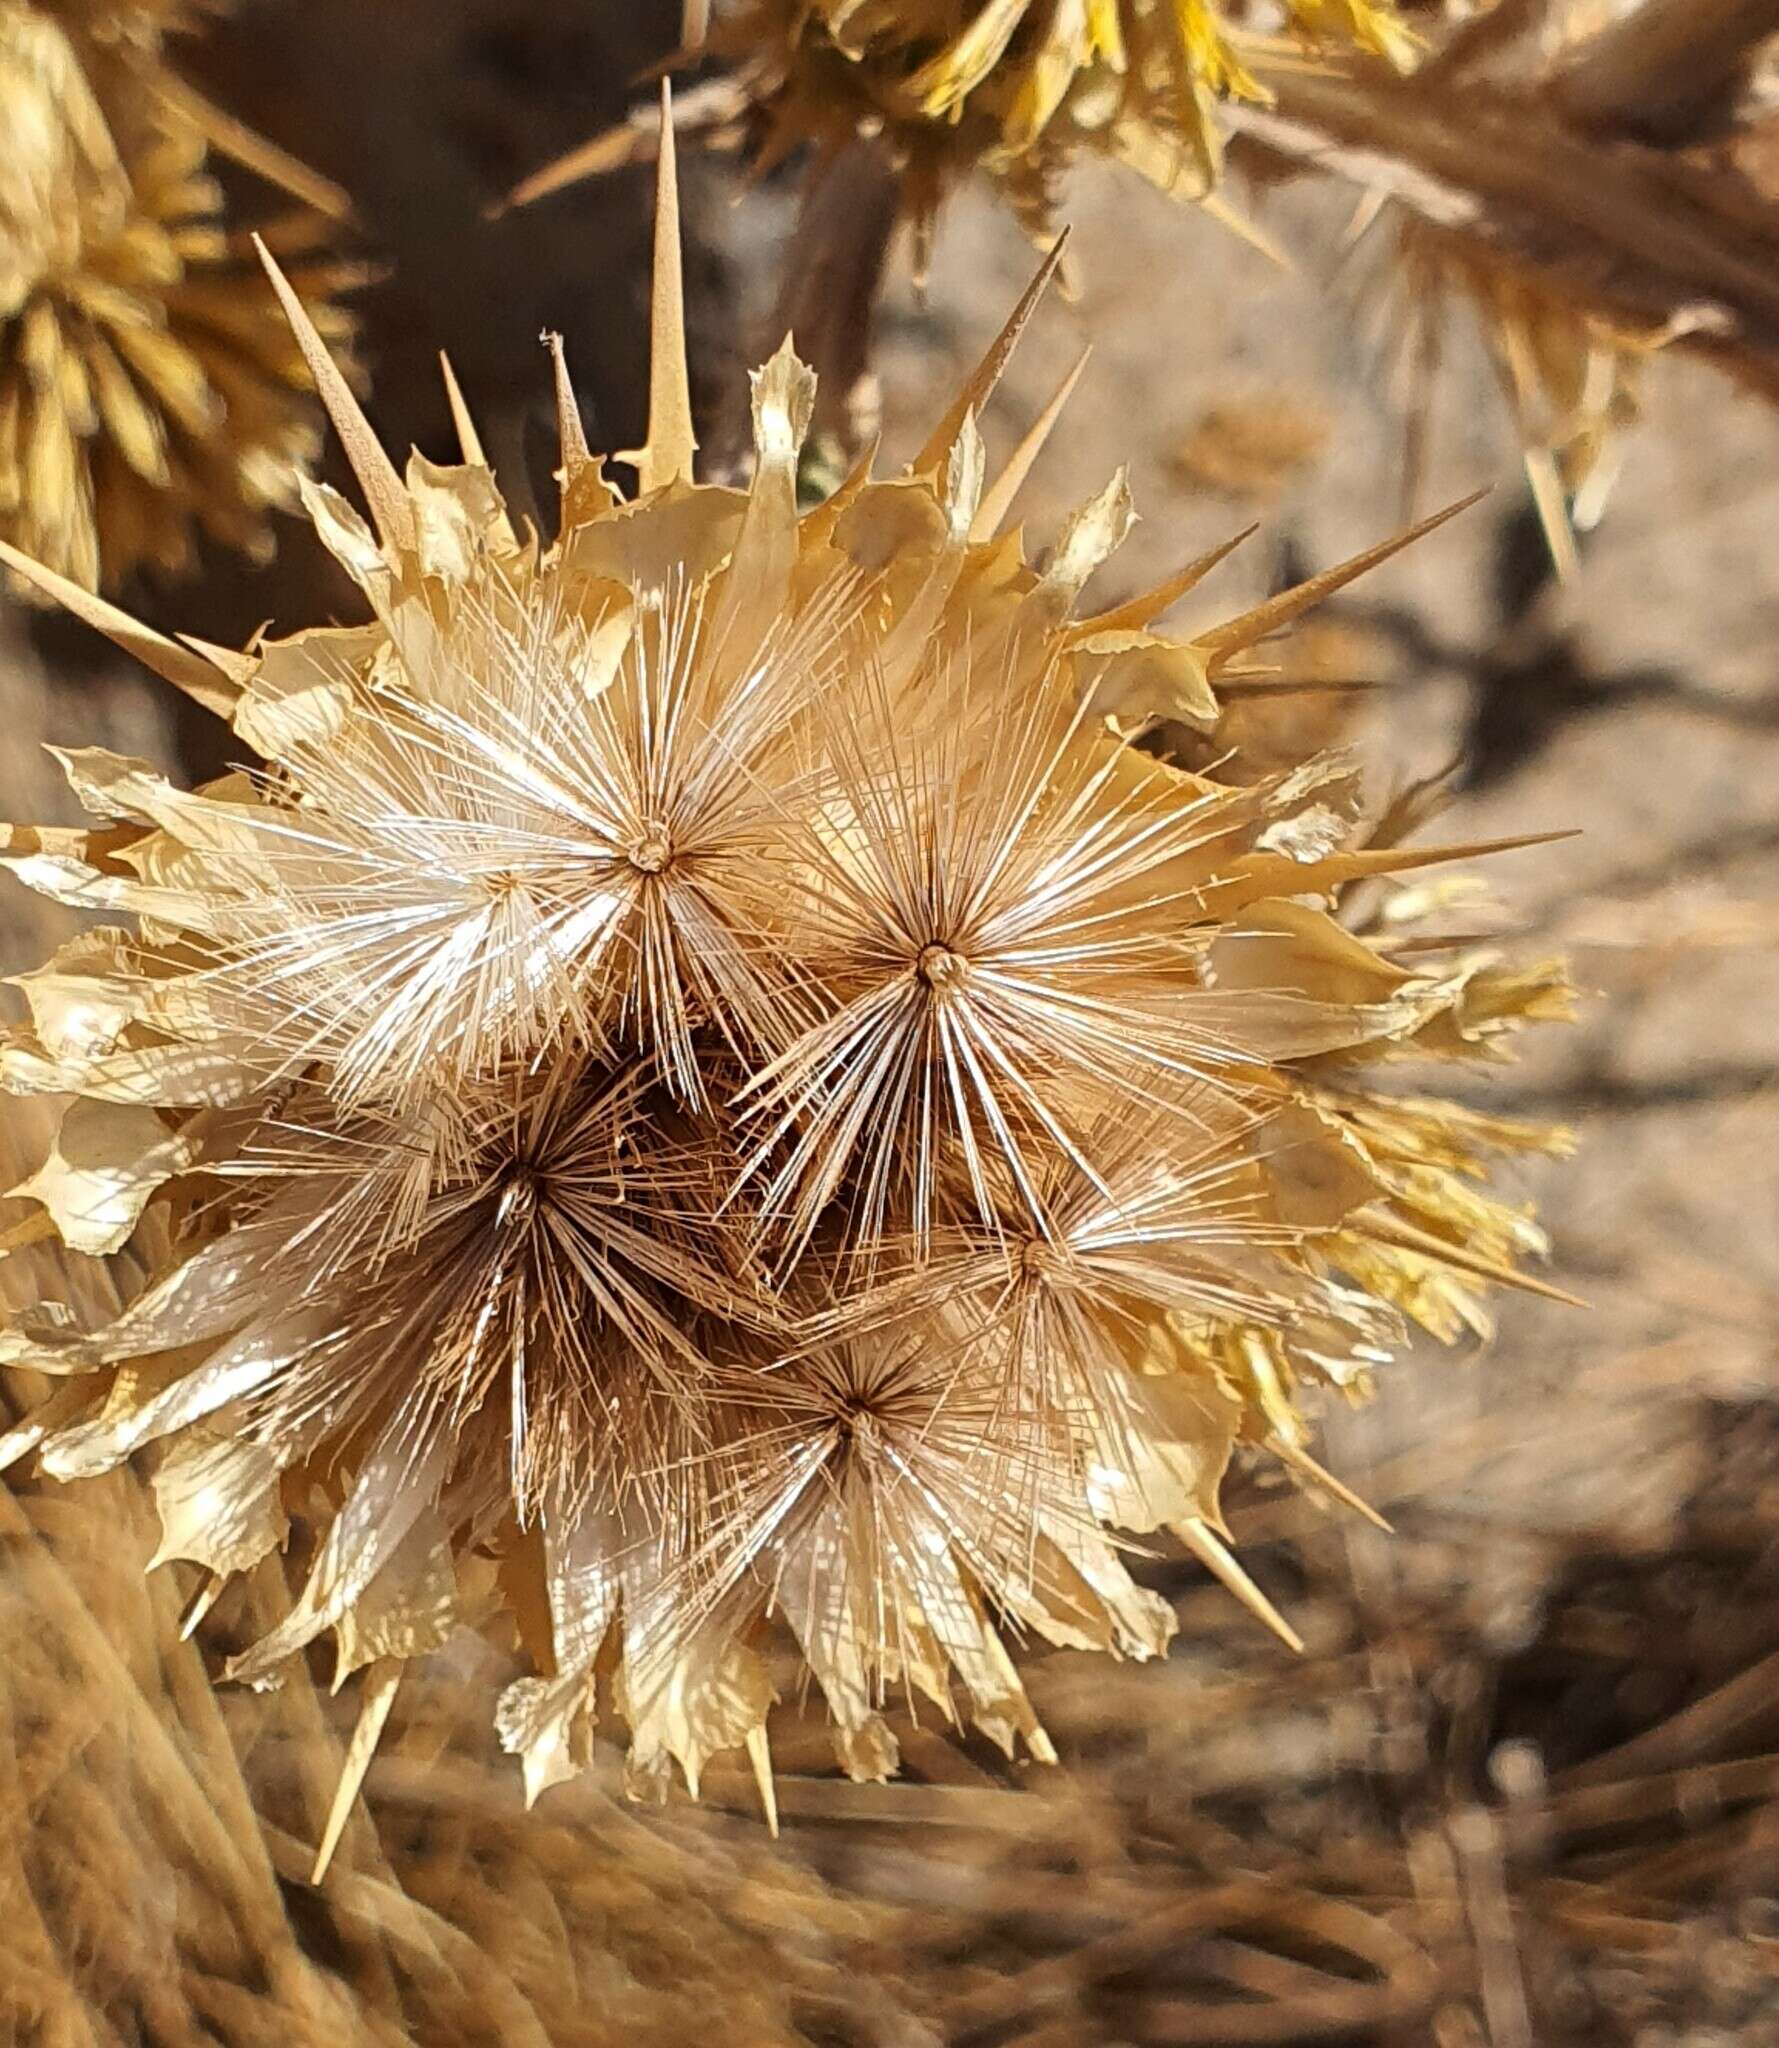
(708, 1090)
(154, 1880)
(150, 388)
(1523, 1791)
(1539, 174)
(1016, 89)
(1253, 444)
(1010, 87)
(160, 1842)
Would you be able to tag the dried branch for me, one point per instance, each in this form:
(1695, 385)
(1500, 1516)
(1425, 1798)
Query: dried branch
(1664, 71)
(1675, 244)
(833, 273)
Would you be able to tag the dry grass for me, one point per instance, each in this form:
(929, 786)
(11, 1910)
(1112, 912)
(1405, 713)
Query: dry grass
(158, 1838)
(1524, 1789)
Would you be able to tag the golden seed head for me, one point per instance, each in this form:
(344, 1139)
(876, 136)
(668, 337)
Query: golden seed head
(137, 418)
(1019, 90)
(1016, 89)
(664, 1237)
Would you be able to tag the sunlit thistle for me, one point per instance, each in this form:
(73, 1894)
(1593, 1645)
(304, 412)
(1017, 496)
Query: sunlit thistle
(1010, 88)
(707, 1070)
(150, 388)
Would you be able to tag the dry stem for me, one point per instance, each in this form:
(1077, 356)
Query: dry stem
(1680, 245)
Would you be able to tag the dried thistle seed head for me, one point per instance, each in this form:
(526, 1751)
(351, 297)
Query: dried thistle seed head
(529, 817)
(541, 1287)
(150, 388)
(702, 1070)
(1000, 926)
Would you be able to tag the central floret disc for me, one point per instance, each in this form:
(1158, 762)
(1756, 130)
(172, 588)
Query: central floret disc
(650, 851)
(940, 968)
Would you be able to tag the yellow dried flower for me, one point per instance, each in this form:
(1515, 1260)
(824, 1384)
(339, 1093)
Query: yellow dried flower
(708, 1087)
(1012, 87)
(149, 386)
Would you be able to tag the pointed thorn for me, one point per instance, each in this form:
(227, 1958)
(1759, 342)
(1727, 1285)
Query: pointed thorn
(1364, 217)
(252, 151)
(469, 442)
(463, 424)
(1210, 1551)
(759, 1755)
(1223, 642)
(239, 668)
(987, 374)
(569, 428)
(200, 1604)
(1552, 505)
(1389, 1229)
(1300, 1461)
(175, 664)
(380, 1686)
(1246, 230)
(390, 508)
(998, 500)
(1137, 612)
(610, 150)
(1277, 874)
(1477, 849)
(672, 444)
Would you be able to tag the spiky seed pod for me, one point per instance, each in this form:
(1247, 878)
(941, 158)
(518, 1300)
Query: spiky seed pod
(702, 1073)
(149, 385)
(1009, 87)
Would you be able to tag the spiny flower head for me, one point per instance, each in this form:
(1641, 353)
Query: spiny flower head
(705, 1087)
(1012, 87)
(149, 386)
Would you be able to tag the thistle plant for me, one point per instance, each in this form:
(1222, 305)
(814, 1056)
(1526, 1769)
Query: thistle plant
(1018, 89)
(707, 1089)
(1469, 172)
(946, 88)
(150, 389)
